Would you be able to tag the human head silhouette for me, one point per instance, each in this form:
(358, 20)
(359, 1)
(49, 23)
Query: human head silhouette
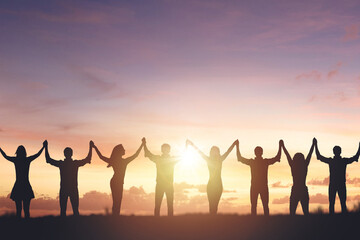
(214, 152)
(21, 151)
(258, 152)
(68, 152)
(337, 151)
(165, 148)
(118, 151)
(299, 157)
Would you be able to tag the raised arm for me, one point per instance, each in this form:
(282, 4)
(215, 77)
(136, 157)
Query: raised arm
(224, 156)
(11, 159)
(88, 157)
(241, 158)
(354, 158)
(148, 154)
(308, 157)
(206, 158)
(48, 158)
(319, 156)
(277, 157)
(35, 156)
(129, 159)
(105, 159)
(290, 161)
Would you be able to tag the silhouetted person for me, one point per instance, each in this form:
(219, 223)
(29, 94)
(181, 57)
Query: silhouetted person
(165, 165)
(68, 178)
(214, 161)
(119, 164)
(259, 177)
(299, 168)
(22, 192)
(337, 167)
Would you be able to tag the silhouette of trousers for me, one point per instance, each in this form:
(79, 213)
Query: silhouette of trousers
(341, 190)
(73, 194)
(299, 194)
(160, 189)
(116, 192)
(264, 195)
(214, 191)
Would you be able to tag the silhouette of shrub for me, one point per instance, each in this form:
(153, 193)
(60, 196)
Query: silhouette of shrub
(319, 210)
(356, 207)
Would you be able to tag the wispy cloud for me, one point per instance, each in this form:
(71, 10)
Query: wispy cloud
(279, 185)
(351, 32)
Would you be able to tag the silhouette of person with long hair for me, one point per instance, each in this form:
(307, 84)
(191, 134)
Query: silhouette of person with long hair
(68, 177)
(214, 161)
(119, 164)
(165, 164)
(337, 167)
(22, 192)
(259, 177)
(299, 168)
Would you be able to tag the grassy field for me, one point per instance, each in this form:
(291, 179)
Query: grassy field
(184, 227)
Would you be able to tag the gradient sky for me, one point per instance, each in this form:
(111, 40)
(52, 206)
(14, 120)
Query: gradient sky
(168, 70)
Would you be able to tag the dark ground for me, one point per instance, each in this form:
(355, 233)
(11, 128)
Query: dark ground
(184, 227)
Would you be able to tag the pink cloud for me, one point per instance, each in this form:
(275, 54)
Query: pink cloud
(313, 75)
(317, 182)
(319, 199)
(325, 182)
(279, 185)
(351, 32)
(315, 199)
(332, 73)
(281, 200)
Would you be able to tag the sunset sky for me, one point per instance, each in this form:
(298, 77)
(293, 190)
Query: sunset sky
(210, 71)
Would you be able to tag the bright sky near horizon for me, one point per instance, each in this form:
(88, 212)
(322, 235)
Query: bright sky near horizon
(211, 71)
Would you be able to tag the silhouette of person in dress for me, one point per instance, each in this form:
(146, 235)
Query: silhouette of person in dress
(259, 177)
(119, 164)
(337, 167)
(299, 168)
(214, 161)
(22, 192)
(68, 178)
(165, 164)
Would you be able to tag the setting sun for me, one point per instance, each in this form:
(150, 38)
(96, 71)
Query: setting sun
(189, 158)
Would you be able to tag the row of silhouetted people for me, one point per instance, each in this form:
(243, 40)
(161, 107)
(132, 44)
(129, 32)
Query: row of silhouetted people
(22, 192)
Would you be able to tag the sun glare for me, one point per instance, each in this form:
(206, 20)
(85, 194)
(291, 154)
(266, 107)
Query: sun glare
(189, 158)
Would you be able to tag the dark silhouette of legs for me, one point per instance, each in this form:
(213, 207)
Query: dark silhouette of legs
(159, 194)
(18, 208)
(116, 192)
(293, 205)
(214, 192)
(342, 196)
(27, 208)
(170, 200)
(299, 194)
(305, 205)
(253, 199)
(305, 201)
(264, 195)
(332, 195)
(63, 203)
(74, 199)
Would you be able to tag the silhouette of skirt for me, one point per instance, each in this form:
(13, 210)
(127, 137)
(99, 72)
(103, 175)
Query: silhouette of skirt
(299, 193)
(22, 191)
